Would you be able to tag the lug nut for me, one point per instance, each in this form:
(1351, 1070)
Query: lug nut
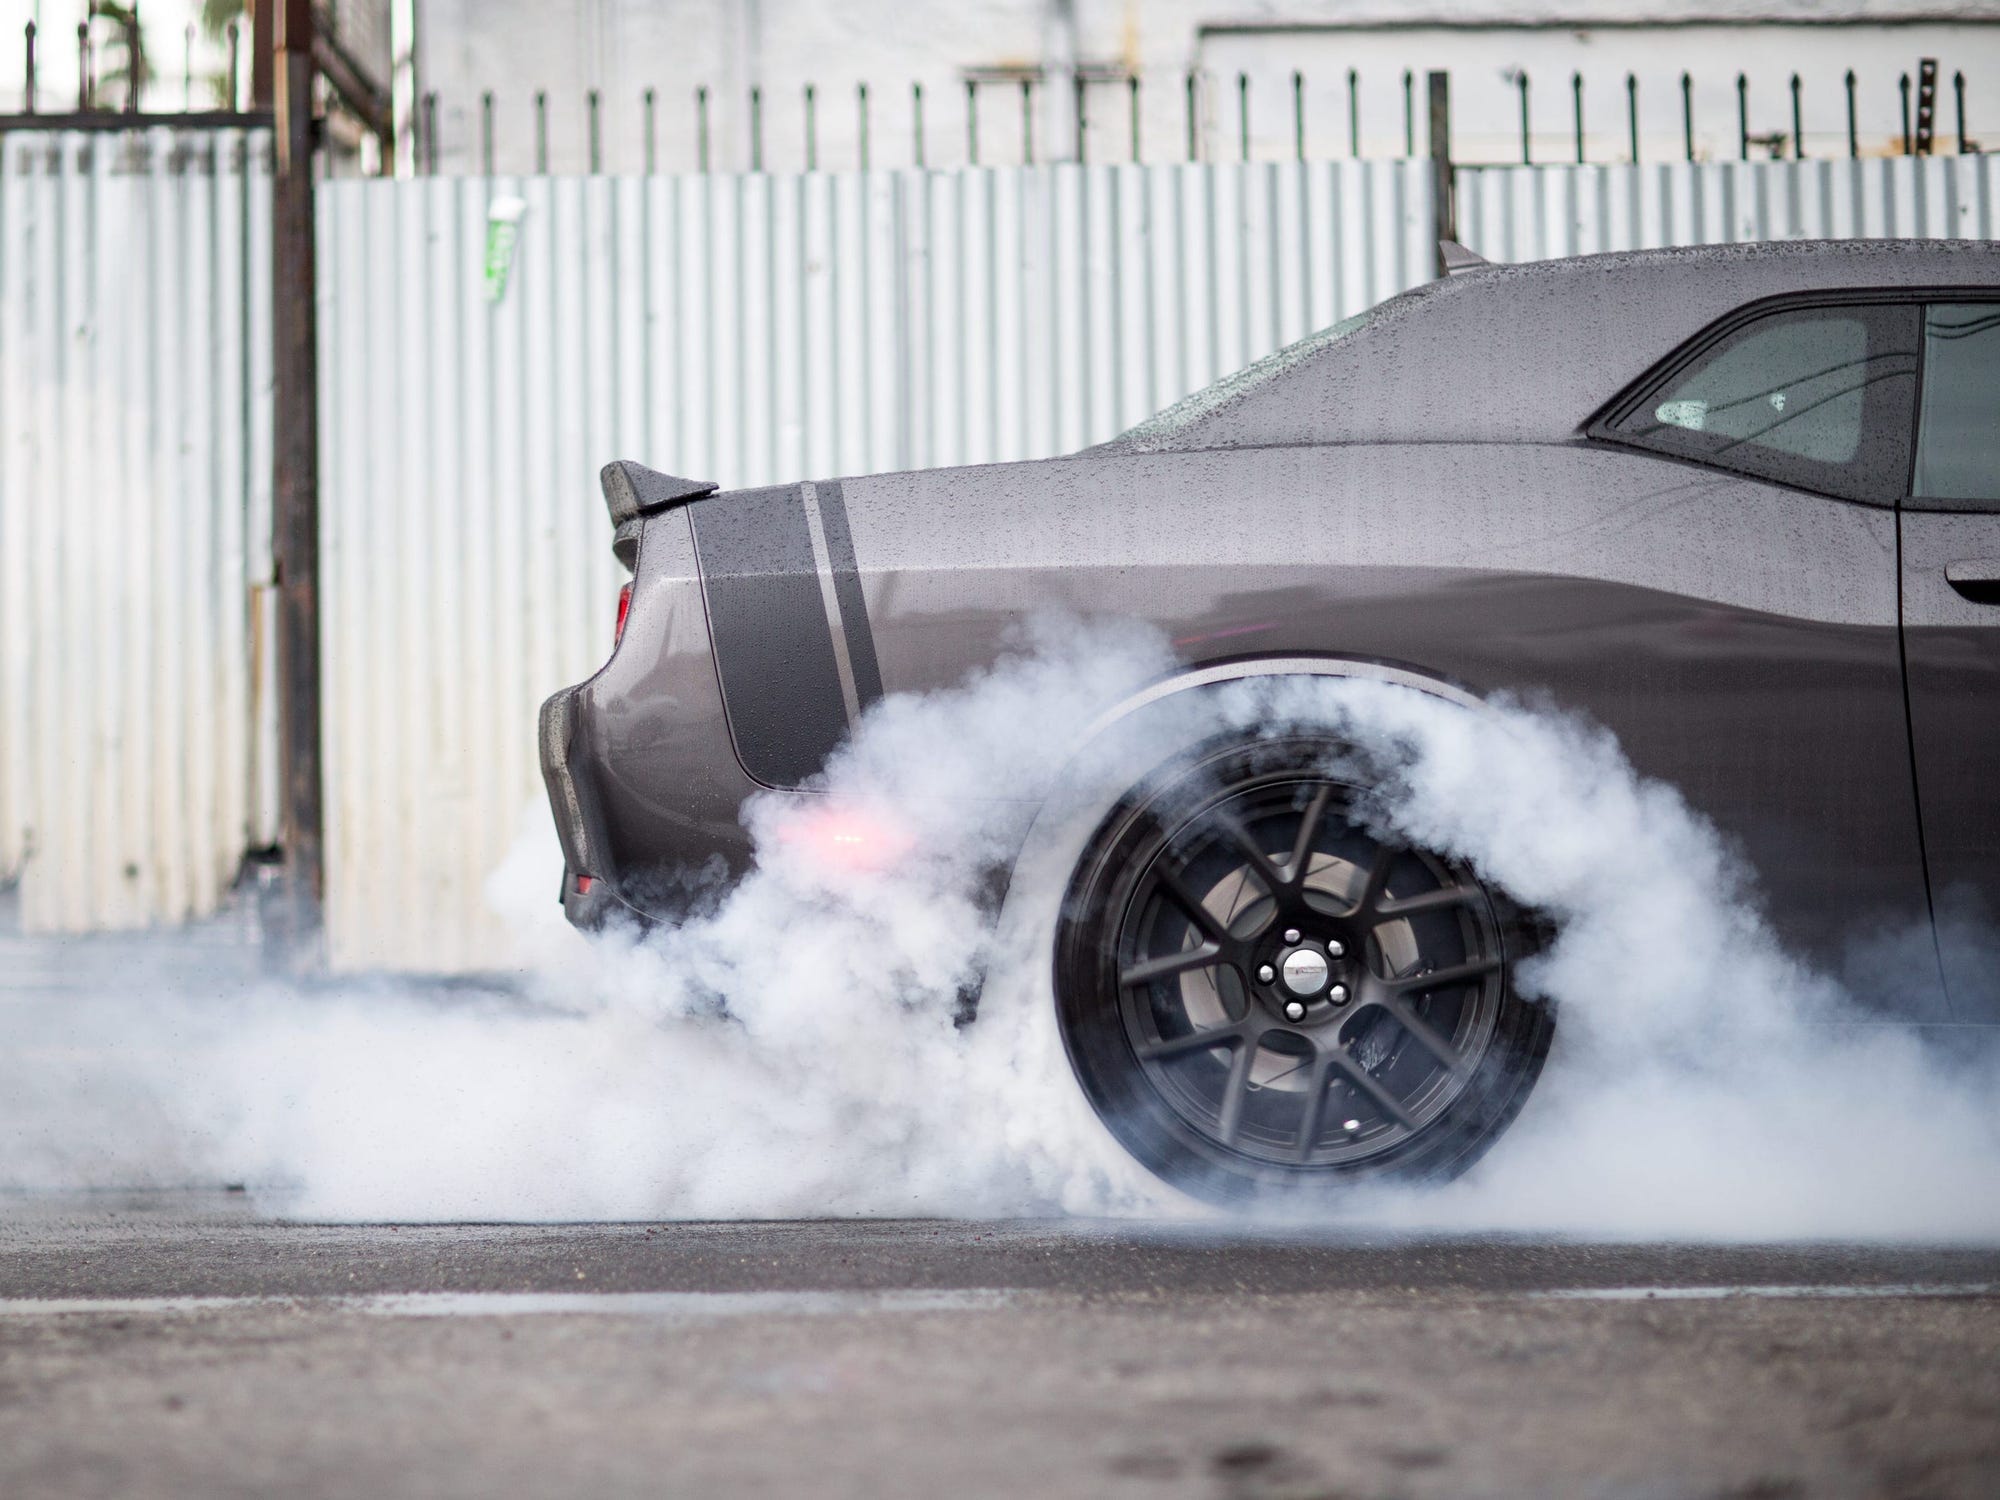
(1291, 934)
(1338, 994)
(1295, 1010)
(1266, 974)
(1333, 948)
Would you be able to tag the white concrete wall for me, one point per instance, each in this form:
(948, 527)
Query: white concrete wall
(621, 48)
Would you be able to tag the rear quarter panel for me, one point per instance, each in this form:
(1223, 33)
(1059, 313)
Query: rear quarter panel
(1739, 638)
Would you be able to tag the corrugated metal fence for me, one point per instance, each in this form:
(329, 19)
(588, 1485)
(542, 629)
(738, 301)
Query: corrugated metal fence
(742, 328)
(134, 521)
(1536, 213)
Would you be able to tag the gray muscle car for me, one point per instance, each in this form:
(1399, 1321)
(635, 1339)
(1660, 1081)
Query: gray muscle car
(1741, 505)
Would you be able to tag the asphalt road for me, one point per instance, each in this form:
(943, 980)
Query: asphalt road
(184, 1345)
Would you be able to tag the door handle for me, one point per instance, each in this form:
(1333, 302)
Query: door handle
(1977, 579)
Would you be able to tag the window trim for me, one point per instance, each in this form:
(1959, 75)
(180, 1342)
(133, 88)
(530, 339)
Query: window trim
(1940, 505)
(1601, 425)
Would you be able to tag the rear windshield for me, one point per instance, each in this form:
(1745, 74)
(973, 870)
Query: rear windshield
(1189, 410)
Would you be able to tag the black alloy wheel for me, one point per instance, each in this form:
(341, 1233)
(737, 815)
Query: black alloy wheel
(1260, 995)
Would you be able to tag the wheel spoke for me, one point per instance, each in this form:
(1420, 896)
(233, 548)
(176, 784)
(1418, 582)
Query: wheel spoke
(1376, 879)
(1190, 905)
(1268, 874)
(1315, 1108)
(1239, 1032)
(1296, 868)
(1205, 956)
(1427, 1036)
(1437, 979)
(1236, 1092)
(1366, 1081)
(1441, 899)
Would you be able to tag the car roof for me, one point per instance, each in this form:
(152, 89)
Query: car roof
(1527, 353)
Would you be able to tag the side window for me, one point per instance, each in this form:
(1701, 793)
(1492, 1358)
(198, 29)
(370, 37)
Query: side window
(1819, 397)
(1958, 434)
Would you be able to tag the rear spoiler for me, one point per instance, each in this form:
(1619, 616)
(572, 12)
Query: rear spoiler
(633, 491)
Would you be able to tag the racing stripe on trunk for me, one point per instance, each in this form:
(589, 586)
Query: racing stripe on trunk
(773, 643)
(854, 627)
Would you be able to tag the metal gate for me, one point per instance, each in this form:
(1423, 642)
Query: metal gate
(135, 739)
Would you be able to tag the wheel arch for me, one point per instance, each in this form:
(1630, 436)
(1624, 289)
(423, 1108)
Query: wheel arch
(1055, 819)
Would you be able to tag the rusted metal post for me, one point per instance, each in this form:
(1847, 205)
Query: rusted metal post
(263, 55)
(295, 483)
(1441, 170)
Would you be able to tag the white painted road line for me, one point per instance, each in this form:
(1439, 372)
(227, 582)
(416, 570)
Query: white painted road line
(671, 1306)
(707, 1306)
(1717, 1293)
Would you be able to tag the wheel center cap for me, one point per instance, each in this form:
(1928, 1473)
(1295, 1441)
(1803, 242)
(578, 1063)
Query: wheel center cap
(1304, 971)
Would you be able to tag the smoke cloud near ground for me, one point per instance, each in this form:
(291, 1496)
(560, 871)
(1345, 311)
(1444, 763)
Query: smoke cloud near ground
(797, 1050)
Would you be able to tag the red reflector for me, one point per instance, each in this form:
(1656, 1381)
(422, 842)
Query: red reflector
(624, 609)
(584, 883)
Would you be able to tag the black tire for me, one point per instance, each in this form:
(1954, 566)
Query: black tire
(1172, 983)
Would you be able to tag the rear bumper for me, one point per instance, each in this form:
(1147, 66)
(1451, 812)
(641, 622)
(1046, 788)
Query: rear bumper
(643, 781)
(558, 722)
(589, 897)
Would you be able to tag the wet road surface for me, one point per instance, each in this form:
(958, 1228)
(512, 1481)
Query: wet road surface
(183, 1345)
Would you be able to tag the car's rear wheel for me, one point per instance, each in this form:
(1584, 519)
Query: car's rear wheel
(1259, 995)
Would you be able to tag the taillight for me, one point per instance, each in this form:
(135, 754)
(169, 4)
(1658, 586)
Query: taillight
(624, 609)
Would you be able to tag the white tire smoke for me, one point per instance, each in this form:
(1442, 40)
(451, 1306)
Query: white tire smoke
(797, 1051)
